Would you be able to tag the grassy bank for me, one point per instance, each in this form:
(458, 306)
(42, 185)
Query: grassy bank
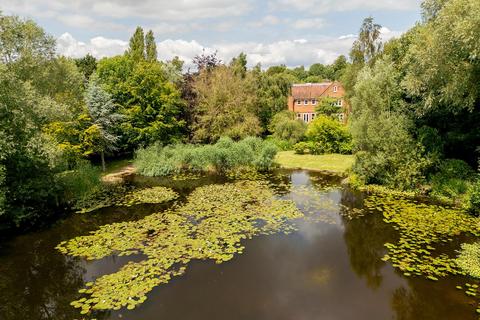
(338, 163)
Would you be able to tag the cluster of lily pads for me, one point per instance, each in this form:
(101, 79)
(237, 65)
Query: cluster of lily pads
(469, 259)
(421, 228)
(120, 195)
(152, 195)
(210, 225)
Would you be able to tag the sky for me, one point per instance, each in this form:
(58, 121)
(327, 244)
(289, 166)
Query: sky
(270, 32)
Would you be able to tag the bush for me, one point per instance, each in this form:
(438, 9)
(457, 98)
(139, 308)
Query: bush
(81, 183)
(474, 197)
(303, 147)
(328, 136)
(223, 156)
(282, 145)
(285, 127)
(453, 179)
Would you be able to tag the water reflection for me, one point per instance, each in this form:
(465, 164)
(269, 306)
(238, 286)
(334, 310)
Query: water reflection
(329, 269)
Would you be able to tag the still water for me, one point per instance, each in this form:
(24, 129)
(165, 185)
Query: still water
(330, 268)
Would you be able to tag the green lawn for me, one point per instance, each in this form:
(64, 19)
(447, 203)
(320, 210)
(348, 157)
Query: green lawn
(328, 162)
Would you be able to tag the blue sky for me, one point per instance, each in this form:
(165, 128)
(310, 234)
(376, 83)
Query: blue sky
(292, 32)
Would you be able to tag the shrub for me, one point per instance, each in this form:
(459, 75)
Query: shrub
(474, 197)
(283, 145)
(285, 127)
(223, 156)
(303, 147)
(329, 136)
(80, 183)
(453, 179)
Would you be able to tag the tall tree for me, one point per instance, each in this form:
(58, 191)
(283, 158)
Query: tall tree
(368, 44)
(136, 49)
(87, 65)
(150, 47)
(226, 106)
(206, 61)
(239, 65)
(102, 110)
(23, 39)
(27, 185)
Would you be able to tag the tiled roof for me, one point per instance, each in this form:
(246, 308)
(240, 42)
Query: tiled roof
(309, 90)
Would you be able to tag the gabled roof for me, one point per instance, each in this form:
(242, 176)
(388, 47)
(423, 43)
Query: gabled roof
(309, 90)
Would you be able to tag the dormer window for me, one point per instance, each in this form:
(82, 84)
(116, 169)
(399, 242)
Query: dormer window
(335, 88)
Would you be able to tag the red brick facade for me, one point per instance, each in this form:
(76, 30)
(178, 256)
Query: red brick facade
(305, 97)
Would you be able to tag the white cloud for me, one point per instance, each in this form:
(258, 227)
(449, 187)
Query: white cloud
(99, 46)
(289, 52)
(147, 9)
(305, 23)
(325, 6)
(86, 22)
(268, 20)
(347, 36)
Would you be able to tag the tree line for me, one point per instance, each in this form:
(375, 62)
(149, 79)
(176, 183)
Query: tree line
(59, 115)
(416, 103)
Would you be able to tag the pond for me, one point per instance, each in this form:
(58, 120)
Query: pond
(328, 267)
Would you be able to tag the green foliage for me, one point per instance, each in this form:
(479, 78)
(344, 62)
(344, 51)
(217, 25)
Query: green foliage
(136, 49)
(469, 259)
(474, 197)
(23, 42)
(87, 65)
(149, 102)
(328, 136)
(453, 179)
(368, 44)
(285, 127)
(150, 47)
(442, 63)
(327, 107)
(387, 152)
(211, 225)
(80, 184)
(304, 147)
(225, 155)
(272, 91)
(27, 186)
(282, 145)
(100, 136)
(226, 106)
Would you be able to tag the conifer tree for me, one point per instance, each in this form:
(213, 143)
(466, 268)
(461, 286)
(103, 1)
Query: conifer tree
(100, 135)
(150, 47)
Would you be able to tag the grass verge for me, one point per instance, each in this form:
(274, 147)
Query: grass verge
(338, 163)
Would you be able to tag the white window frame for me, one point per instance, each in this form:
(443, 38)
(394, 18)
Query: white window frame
(314, 101)
(305, 102)
(335, 88)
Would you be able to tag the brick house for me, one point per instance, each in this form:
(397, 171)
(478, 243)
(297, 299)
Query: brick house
(305, 97)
